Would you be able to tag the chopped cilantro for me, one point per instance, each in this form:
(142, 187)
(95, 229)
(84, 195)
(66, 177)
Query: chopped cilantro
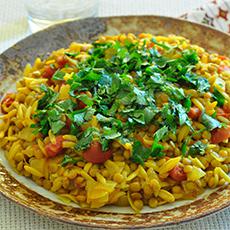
(187, 104)
(209, 122)
(202, 84)
(218, 97)
(72, 54)
(58, 75)
(68, 160)
(125, 80)
(197, 148)
(140, 154)
(48, 99)
(184, 148)
(160, 133)
(164, 46)
(86, 138)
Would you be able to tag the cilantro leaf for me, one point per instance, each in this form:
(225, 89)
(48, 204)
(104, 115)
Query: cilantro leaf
(164, 46)
(58, 75)
(149, 114)
(174, 92)
(89, 113)
(57, 126)
(78, 116)
(138, 116)
(55, 122)
(104, 143)
(67, 105)
(218, 97)
(190, 56)
(85, 99)
(183, 117)
(140, 96)
(187, 104)
(168, 114)
(160, 133)
(110, 133)
(209, 122)
(197, 148)
(139, 153)
(202, 84)
(86, 138)
(72, 54)
(48, 99)
(68, 160)
(156, 149)
(184, 148)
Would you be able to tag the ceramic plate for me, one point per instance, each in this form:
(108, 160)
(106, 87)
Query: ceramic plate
(28, 194)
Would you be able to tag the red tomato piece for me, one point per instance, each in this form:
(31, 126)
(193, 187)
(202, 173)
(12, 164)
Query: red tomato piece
(95, 155)
(7, 101)
(223, 112)
(220, 112)
(81, 105)
(178, 174)
(48, 72)
(222, 57)
(61, 61)
(226, 108)
(151, 45)
(194, 113)
(219, 135)
(68, 123)
(54, 149)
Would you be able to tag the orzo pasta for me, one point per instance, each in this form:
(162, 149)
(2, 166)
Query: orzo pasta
(127, 120)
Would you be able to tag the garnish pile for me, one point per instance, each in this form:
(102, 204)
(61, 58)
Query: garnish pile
(118, 85)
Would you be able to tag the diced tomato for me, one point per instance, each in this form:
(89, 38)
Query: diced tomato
(223, 68)
(54, 149)
(223, 113)
(194, 113)
(226, 108)
(220, 112)
(222, 57)
(95, 155)
(219, 135)
(7, 101)
(61, 61)
(151, 45)
(81, 105)
(68, 123)
(178, 174)
(48, 71)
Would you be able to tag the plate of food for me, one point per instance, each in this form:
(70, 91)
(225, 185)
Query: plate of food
(118, 121)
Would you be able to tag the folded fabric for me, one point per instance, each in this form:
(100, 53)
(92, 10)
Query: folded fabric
(215, 14)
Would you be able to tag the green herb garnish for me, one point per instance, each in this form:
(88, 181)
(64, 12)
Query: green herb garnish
(68, 160)
(209, 122)
(124, 81)
(218, 97)
(197, 149)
